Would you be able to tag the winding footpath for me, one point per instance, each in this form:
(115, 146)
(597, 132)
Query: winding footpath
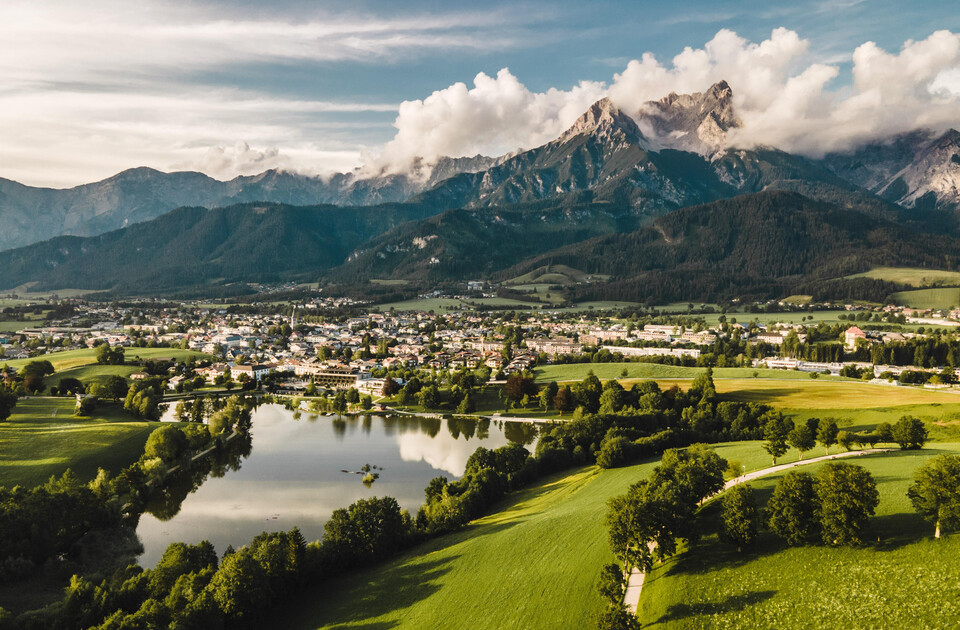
(631, 597)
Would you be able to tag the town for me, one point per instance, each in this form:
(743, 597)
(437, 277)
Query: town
(338, 344)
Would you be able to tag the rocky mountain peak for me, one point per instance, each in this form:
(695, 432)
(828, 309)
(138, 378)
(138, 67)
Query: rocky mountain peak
(603, 120)
(695, 122)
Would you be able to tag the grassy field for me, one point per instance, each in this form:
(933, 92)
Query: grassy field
(533, 564)
(913, 276)
(828, 395)
(43, 438)
(87, 374)
(438, 305)
(928, 298)
(812, 317)
(904, 580)
(433, 304)
(782, 389)
(543, 292)
(387, 282)
(556, 274)
(87, 356)
(604, 371)
(13, 325)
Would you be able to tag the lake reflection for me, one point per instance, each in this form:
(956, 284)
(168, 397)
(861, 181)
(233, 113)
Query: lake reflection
(292, 476)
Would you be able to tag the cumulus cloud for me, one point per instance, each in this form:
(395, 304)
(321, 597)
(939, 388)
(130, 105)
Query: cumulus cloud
(497, 115)
(226, 162)
(785, 100)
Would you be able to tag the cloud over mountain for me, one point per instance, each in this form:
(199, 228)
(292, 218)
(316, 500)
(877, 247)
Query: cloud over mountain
(226, 162)
(783, 97)
(497, 115)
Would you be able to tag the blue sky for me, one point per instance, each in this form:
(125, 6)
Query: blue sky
(236, 87)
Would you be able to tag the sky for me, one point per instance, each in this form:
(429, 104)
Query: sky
(88, 89)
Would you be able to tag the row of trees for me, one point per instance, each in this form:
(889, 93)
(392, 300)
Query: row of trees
(782, 433)
(833, 507)
(655, 514)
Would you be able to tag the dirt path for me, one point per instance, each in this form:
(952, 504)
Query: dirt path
(631, 597)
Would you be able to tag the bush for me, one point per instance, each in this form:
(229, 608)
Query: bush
(909, 433)
(614, 452)
(167, 443)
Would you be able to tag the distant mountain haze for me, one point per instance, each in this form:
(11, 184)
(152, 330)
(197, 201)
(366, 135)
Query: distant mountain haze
(605, 193)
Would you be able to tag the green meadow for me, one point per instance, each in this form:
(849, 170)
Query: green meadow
(535, 563)
(87, 356)
(902, 579)
(929, 298)
(913, 276)
(42, 438)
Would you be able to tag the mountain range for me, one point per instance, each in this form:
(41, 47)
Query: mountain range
(654, 198)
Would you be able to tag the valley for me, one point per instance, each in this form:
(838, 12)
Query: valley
(301, 329)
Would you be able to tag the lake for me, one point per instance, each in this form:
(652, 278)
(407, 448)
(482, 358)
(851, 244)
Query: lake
(290, 474)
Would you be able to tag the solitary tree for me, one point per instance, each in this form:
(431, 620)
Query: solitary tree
(936, 492)
(793, 511)
(467, 404)
(801, 438)
(168, 443)
(848, 498)
(910, 433)
(115, 387)
(33, 374)
(740, 518)
(340, 403)
(775, 432)
(827, 433)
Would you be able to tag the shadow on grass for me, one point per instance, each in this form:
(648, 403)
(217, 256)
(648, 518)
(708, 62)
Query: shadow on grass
(898, 530)
(732, 603)
(355, 600)
(377, 625)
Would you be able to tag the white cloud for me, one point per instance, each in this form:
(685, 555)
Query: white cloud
(226, 162)
(89, 89)
(61, 39)
(786, 101)
(66, 137)
(497, 115)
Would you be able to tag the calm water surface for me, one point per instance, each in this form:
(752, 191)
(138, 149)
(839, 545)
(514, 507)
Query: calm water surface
(292, 474)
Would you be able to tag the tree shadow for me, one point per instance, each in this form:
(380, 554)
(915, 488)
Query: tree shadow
(894, 531)
(733, 603)
(377, 625)
(355, 601)
(712, 555)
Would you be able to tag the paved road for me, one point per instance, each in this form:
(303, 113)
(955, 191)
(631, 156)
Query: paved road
(635, 582)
